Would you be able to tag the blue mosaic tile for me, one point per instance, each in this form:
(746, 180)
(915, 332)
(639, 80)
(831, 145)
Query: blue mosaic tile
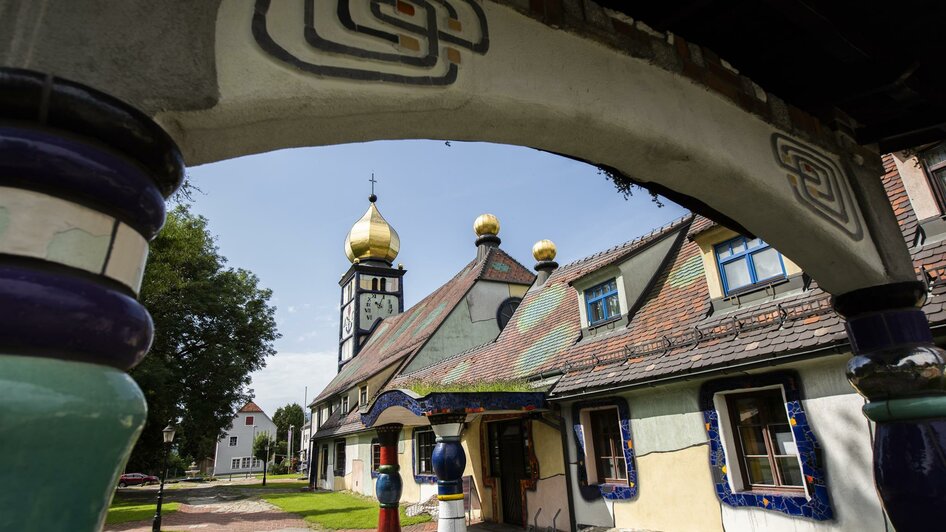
(438, 403)
(619, 492)
(817, 505)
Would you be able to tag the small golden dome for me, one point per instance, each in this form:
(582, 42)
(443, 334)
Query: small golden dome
(372, 238)
(486, 224)
(544, 250)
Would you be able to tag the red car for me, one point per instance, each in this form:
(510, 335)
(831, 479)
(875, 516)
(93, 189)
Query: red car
(132, 479)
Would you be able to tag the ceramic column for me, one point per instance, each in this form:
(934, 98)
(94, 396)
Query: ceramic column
(900, 371)
(83, 179)
(388, 484)
(449, 461)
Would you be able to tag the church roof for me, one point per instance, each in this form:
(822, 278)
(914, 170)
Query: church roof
(546, 324)
(673, 331)
(398, 337)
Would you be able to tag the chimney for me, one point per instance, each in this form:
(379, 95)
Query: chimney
(486, 227)
(544, 252)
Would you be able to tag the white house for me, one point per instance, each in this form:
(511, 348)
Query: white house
(235, 449)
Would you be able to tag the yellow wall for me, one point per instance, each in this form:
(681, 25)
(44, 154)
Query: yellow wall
(706, 240)
(548, 450)
(682, 476)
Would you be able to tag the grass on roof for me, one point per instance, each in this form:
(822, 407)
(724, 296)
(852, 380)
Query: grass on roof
(425, 388)
(123, 511)
(336, 509)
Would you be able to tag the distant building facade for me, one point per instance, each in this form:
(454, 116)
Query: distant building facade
(235, 449)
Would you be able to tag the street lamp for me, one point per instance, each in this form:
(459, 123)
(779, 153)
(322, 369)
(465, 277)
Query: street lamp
(266, 462)
(289, 450)
(168, 434)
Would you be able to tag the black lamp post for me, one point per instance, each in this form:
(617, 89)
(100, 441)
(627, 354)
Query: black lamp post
(168, 433)
(265, 462)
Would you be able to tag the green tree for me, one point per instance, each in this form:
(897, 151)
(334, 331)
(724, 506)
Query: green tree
(213, 327)
(291, 414)
(263, 444)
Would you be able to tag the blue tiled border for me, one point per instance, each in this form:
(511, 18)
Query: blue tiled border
(817, 507)
(620, 492)
(439, 403)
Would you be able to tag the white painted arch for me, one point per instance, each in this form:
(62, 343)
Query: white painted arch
(535, 86)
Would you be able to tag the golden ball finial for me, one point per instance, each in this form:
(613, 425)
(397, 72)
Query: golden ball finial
(486, 224)
(544, 250)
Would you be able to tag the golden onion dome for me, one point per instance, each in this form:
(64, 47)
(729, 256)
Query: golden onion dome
(486, 224)
(372, 238)
(544, 250)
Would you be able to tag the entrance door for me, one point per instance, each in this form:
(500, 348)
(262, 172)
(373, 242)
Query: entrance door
(507, 449)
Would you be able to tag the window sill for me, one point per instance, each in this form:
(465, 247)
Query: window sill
(785, 492)
(755, 287)
(598, 324)
(425, 478)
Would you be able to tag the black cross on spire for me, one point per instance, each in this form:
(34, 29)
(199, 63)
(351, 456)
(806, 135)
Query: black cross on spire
(372, 198)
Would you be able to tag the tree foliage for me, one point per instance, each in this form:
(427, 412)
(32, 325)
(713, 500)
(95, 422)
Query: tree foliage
(264, 446)
(291, 414)
(213, 327)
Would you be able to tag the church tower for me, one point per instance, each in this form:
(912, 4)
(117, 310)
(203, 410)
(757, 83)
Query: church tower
(372, 287)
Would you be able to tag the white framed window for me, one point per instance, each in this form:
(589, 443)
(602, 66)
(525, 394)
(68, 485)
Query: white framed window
(605, 461)
(424, 441)
(235, 463)
(233, 441)
(758, 441)
(245, 462)
(344, 405)
(363, 395)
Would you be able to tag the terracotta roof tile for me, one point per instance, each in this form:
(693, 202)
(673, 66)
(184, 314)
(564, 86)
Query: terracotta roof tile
(398, 337)
(251, 407)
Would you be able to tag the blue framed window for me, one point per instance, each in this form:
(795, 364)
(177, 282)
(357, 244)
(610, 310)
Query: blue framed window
(602, 302)
(744, 263)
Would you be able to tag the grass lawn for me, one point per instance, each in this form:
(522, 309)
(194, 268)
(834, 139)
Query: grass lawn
(280, 484)
(287, 476)
(337, 509)
(123, 511)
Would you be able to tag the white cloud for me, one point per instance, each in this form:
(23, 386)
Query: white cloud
(306, 336)
(291, 309)
(286, 375)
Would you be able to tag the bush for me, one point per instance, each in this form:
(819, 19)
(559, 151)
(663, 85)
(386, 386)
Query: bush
(279, 469)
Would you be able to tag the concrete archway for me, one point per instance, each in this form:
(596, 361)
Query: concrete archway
(245, 76)
(233, 78)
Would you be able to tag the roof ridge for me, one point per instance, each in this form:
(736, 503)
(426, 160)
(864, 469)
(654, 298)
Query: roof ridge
(652, 234)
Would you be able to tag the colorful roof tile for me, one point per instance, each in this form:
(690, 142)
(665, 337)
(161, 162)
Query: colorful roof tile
(674, 330)
(399, 337)
(545, 326)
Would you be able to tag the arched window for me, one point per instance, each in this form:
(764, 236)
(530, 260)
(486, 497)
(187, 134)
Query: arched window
(383, 284)
(506, 309)
(374, 283)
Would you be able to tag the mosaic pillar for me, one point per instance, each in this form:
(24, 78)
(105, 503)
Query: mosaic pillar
(388, 484)
(900, 371)
(449, 461)
(83, 179)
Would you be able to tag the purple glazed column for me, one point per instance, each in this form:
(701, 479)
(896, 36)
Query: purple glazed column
(900, 371)
(449, 461)
(83, 178)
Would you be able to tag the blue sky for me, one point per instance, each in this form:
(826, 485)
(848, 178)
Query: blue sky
(284, 215)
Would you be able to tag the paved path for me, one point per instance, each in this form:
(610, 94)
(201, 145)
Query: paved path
(247, 515)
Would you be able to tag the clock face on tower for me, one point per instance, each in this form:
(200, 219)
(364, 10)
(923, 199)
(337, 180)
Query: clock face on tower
(376, 306)
(348, 320)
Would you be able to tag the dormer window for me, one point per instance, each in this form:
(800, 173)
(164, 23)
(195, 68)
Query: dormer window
(745, 263)
(602, 302)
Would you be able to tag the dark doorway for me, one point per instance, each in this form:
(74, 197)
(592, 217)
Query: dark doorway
(508, 464)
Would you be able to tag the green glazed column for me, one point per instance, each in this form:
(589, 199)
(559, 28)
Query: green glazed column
(83, 179)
